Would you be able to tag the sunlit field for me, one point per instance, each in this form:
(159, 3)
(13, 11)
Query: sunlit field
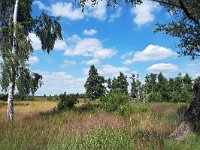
(37, 125)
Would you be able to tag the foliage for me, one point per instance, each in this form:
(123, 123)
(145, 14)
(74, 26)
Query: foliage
(135, 86)
(178, 89)
(155, 97)
(143, 108)
(94, 84)
(67, 101)
(185, 27)
(15, 45)
(120, 84)
(3, 97)
(101, 140)
(125, 110)
(114, 100)
(57, 130)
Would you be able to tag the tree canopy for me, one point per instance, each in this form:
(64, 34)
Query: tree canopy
(95, 84)
(16, 22)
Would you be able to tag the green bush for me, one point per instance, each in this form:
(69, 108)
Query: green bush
(3, 97)
(183, 96)
(155, 97)
(114, 100)
(67, 101)
(125, 110)
(143, 108)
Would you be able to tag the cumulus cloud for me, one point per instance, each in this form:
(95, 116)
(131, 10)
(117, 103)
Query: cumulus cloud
(98, 11)
(112, 70)
(89, 47)
(93, 62)
(109, 70)
(116, 15)
(67, 63)
(68, 10)
(59, 82)
(143, 13)
(40, 5)
(150, 53)
(33, 60)
(192, 69)
(126, 55)
(163, 67)
(90, 32)
(36, 43)
(65, 9)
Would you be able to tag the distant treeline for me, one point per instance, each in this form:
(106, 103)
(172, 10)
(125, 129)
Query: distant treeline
(156, 88)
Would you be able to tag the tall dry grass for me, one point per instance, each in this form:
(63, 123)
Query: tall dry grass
(38, 126)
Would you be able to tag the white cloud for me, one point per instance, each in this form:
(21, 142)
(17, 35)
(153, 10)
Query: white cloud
(59, 82)
(112, 70)
(191, 68)
(144, 12)
(109, 70)
(33, 60)
(36, 43)
(67, 63)
(64, 9)
(90, 32)
(89, 47)
(116, 15)
(150, 53)
(40, 5)
(163, 67)
(67, 10)
(60, 45)
(126, 55)
(98, 11)
(93, 62)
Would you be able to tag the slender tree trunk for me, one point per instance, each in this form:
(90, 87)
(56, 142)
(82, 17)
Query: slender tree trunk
(192, 116)
(10, 112)
(11, 88)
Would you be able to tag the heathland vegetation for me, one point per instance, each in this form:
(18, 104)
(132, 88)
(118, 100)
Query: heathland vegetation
(110, 119)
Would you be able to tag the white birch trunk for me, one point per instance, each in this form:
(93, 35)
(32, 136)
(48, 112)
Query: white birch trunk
(10, 112)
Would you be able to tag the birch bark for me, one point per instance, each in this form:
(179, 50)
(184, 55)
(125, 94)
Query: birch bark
(11, 88)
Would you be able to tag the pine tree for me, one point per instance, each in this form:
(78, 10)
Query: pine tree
(162, 87)
(120, 84)
(95, 84)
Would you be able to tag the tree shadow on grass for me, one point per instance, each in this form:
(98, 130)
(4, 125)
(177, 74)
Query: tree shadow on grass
(88, 107)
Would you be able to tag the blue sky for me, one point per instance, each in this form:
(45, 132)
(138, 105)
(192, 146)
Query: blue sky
(113, 39)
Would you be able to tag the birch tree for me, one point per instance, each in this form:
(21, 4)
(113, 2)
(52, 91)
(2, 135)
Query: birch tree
(16, 22)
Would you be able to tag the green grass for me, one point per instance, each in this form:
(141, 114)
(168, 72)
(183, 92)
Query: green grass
(38, 126)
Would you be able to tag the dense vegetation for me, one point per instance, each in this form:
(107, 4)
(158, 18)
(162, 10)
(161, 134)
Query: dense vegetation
(38, 126)
(156, 87)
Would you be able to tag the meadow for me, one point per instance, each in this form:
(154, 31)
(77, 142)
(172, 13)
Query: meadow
(38, 125)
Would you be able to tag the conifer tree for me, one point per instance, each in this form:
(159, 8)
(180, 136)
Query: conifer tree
(120, 84)
(95, 84)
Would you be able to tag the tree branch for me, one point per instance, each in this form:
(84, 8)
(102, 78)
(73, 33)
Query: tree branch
(166, 3)
(187, 13)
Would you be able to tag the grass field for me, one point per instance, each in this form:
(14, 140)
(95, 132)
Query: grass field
(38, 126)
